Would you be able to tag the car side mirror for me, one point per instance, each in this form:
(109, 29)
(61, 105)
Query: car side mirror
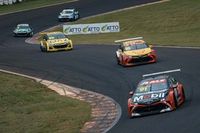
(120, 50)
(131, 93)
(151, 46)
(175, 85)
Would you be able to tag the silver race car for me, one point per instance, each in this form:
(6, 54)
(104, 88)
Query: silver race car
(68, 15)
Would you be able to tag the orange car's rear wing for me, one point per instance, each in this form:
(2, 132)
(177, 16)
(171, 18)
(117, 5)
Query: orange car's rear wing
(128, 39)
(159, 73)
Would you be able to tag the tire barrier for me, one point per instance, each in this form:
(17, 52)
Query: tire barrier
(9, 2)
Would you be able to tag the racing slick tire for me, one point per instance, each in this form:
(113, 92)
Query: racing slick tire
(14, 34)
(129, 115)
(60, 20)
(43, 49)
(175, 97)
(74, 18)
(118, 61)
(31, 34)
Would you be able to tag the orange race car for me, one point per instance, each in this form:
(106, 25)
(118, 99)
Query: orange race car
(157, 94)
(134, 51)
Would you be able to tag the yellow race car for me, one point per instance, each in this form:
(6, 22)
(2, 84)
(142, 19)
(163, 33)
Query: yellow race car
(54, 41)
(134, 51)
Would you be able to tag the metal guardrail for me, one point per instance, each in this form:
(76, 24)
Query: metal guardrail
(9, 2)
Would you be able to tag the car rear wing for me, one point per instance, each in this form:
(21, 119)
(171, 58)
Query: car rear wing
(42, 33)
(128, 39)
(159, 73)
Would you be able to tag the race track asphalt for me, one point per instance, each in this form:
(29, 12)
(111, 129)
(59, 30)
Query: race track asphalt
(93, 67)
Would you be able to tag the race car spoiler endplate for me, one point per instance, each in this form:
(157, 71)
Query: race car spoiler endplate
(159, 73)
(128, 39)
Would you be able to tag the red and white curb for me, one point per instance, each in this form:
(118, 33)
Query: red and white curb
(105, 111)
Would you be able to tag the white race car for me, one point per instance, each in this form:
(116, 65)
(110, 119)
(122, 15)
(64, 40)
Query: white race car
(68, 15)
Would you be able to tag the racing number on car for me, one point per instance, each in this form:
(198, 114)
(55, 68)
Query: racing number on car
(143, 88)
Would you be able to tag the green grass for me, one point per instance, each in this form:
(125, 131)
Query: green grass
(27, 106)
(171, 23)
(29, 4)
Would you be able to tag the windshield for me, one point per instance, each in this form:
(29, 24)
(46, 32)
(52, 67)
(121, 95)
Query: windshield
(22, 27)
(67, 12)
(135, 47)
(152, 85)
(56, 36)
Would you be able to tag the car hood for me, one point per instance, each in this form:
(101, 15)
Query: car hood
(138, 52)
(66, 14)
(150, 97)
(22, 30)
(58, 41)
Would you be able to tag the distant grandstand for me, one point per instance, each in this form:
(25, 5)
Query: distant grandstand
(9, 2)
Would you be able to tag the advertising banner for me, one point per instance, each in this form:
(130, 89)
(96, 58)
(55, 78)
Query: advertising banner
(94, 28)
(9, 2)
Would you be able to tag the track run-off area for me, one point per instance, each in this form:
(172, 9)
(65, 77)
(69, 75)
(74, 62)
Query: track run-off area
(94, 67)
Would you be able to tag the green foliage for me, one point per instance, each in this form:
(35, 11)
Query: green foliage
(27, 106)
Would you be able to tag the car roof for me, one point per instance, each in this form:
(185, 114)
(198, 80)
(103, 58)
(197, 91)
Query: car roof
(56, 32)
(23, 25)
(69, 9)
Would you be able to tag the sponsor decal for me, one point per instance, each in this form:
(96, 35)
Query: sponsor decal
(94, 28)
(154, 81)
(148, 96)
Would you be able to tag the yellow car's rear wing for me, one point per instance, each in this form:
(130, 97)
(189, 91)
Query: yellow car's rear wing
(128, 39)
(51, 32)
(42, 33)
